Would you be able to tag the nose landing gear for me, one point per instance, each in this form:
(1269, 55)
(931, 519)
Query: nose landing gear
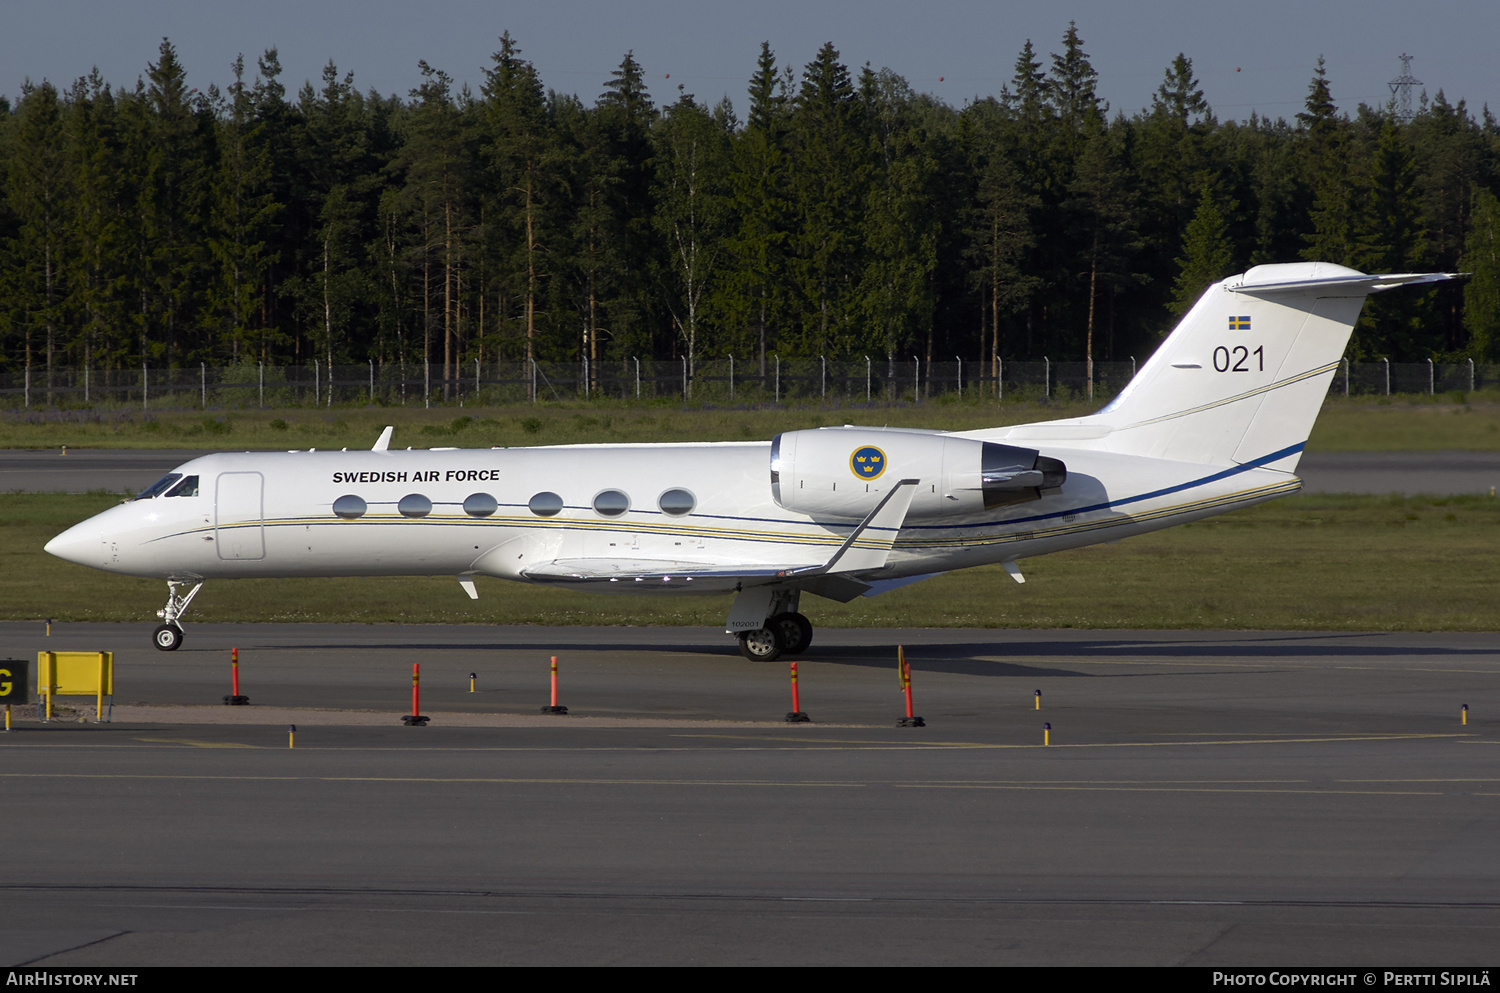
(168, 636)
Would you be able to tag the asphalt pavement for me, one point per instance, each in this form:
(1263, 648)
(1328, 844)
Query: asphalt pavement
(1205, 798)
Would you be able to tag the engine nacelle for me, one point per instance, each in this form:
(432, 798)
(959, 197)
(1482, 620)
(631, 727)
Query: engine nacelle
(844, 472)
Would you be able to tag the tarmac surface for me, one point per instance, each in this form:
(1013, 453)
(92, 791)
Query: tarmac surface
(1206, 799)
(1409, 473)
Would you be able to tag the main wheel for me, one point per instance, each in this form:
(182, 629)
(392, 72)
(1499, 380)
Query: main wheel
(762, 645)
(168, 637)
(795, 630)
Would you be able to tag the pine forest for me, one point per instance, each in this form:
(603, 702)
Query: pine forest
(845, 216)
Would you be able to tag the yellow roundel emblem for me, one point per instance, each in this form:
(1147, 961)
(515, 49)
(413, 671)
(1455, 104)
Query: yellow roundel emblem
(867, 462)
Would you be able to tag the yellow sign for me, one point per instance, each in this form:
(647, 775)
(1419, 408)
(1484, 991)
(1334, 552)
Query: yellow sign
(76, 674)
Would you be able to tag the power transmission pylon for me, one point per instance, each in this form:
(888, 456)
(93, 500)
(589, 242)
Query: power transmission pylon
(1401, 89)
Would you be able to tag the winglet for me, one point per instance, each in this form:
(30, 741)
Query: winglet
(887, 516)
(466, 581)
(383, 443)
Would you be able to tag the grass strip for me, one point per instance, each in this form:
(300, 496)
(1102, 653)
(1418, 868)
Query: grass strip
(1355, 424)
(1301, 563)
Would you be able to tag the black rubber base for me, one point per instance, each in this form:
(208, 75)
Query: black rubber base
(236, 701)
(554, 710)
(798, 717)
(415, 721)
(911, 722)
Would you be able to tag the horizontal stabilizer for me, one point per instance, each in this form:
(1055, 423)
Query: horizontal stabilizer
(1263, 280)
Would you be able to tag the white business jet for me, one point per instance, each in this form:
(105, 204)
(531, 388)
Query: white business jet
(1216, 420)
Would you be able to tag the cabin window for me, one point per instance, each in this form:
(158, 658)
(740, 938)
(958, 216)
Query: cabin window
(546, 504)
(677, 502)
(414, 505)
(159, 487)
(480, 505)
(611, 503)
(188, 487)
(349, 507)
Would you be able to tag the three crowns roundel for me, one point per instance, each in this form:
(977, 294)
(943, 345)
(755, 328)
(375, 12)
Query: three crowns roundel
(867, 462)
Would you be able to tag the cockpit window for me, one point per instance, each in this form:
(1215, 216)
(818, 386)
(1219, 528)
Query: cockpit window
(161, 486)
(188, 487)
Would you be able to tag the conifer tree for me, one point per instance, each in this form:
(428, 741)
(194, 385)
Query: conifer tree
(828, 181)
(1207, 252)
(624, 115)
(752, 296)
(1482, 291)
(36, 181)
(522, 156)
(243, 211)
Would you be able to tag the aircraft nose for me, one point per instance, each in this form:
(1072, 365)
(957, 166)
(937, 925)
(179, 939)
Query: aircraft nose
(80, 543)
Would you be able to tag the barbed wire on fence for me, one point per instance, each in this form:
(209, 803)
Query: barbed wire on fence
(710, 381)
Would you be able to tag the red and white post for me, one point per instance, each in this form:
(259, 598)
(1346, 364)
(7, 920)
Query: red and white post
(909, 721)
(796, 716)
(235, 699)
(555, 708)
(415, 718)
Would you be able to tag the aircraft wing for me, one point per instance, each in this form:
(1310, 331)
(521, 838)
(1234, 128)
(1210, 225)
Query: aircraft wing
(865, 549)
(605, 575)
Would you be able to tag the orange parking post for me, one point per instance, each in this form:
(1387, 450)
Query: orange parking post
(796, 716)
(555, 708)
(415, 718)
(909, 721)
(235, 699)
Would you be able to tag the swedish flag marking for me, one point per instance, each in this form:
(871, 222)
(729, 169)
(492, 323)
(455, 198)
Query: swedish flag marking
(867, 462)
(1241, 323)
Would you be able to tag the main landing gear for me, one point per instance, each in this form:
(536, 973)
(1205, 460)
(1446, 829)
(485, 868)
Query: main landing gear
(785, 631)
(168, 636)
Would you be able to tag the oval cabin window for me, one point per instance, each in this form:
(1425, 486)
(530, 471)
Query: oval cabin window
(677, 502)
(349, 507)
(611, 503)
(414, 505)
(545, 504)
(480, 505)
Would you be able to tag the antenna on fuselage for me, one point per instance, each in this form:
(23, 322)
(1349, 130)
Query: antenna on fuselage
(383, 443)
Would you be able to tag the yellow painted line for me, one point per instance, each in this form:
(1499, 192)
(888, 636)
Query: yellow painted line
(192, 743)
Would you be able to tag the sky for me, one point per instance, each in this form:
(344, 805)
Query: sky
(1247, 56)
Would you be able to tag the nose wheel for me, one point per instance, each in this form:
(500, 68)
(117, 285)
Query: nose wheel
(167, 637)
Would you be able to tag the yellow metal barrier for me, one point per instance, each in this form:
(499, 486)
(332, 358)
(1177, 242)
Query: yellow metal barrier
(76, 674)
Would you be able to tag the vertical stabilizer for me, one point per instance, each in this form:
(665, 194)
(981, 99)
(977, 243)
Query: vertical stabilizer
(1241, 379)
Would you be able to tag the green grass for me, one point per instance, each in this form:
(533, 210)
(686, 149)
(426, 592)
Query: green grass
(544, 424)
(1358, 424)
(1371, 424)
(1302, 563)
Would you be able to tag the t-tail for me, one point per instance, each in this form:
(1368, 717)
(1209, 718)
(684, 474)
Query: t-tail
(1242, 377)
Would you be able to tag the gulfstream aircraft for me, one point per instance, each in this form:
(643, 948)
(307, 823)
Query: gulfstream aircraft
(1214, 421)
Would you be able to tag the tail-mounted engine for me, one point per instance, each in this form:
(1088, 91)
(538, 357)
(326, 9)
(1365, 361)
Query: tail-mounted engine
(844, 472)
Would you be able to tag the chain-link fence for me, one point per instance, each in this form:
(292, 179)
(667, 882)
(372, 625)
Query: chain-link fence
(722, 381)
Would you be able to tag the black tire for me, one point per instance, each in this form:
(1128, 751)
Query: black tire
(167, 637)
(796, 632)
(762, 645)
